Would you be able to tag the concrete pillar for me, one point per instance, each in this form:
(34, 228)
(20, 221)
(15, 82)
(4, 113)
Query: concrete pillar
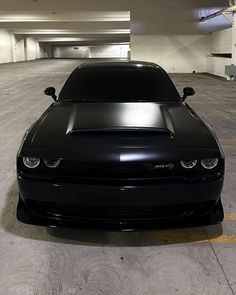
(233, 61)
(25, 47)
(49, 51)
(13, 47)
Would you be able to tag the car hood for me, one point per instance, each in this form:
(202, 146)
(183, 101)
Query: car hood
(74, 125)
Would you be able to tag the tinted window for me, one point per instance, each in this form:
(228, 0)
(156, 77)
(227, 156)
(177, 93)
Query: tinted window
(122, 85)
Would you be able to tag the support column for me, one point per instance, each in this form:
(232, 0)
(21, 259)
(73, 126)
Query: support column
(231, 69)
(233, 60)
(25, 48)
(13, 47)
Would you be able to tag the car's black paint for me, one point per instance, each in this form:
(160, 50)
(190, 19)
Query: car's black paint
(120, 164)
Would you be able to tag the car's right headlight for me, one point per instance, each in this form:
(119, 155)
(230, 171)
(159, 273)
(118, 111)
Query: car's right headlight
(209, 163)
(31, 162)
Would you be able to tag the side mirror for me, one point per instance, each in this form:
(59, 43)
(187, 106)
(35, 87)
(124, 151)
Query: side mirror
(51, 91)
(187, 91)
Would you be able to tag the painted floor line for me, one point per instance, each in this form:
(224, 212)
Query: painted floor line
(222, 239)
(198, 238)
(230, 217)
(190, 235)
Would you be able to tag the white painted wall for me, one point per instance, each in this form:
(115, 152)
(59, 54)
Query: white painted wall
(32, 51)
(221, 41)
(109, 51)
(43, 51)
(18, 48)
(175, 53)
(5, 47)
(216, 65)
(71, 52)
(11, 47)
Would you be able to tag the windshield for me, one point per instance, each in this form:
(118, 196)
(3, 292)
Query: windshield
(119, 85)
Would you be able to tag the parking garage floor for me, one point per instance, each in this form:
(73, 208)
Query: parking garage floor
(37, 260)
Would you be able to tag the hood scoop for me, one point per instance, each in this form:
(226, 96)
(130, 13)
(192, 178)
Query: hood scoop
(120, 118)
(142, 131)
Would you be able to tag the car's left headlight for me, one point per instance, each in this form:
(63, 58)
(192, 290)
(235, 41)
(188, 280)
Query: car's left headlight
(209, 163)
(31, 162)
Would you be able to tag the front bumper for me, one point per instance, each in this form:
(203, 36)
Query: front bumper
(119, 207)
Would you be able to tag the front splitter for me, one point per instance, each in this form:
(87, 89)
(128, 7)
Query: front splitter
(213, 216)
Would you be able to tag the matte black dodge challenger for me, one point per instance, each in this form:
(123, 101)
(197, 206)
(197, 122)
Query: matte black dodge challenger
(119, 149)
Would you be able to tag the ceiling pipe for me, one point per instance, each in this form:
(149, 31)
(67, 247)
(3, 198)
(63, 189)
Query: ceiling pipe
(230, 9)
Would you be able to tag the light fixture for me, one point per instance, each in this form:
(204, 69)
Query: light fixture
(52, 163)
(188, 164)
(209, 163)
(31, 162)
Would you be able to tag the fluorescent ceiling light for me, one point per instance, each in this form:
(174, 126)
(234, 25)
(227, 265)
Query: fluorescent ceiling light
(70, 16)
(71, 32)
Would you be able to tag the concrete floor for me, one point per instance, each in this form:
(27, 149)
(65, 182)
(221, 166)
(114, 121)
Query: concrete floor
(37, 260)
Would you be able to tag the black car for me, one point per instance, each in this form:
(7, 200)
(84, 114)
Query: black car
(119, 149)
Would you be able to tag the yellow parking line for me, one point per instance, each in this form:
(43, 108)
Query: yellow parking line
(222, 239)
(186, 236)
(230, 216)
(178, 236)
(192, 235)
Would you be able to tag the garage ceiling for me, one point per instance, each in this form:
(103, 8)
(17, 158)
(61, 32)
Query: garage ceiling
(68, 22)
(158, 17)
(104, 21)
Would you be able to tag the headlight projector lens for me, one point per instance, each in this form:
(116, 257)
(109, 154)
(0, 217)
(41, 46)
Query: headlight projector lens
(188, 164)
(209, 163)
(30, 162)
(52, 163)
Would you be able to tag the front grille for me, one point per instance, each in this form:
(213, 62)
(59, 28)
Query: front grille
(120, 170)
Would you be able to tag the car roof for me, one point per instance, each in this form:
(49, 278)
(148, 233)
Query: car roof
(120, 65)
